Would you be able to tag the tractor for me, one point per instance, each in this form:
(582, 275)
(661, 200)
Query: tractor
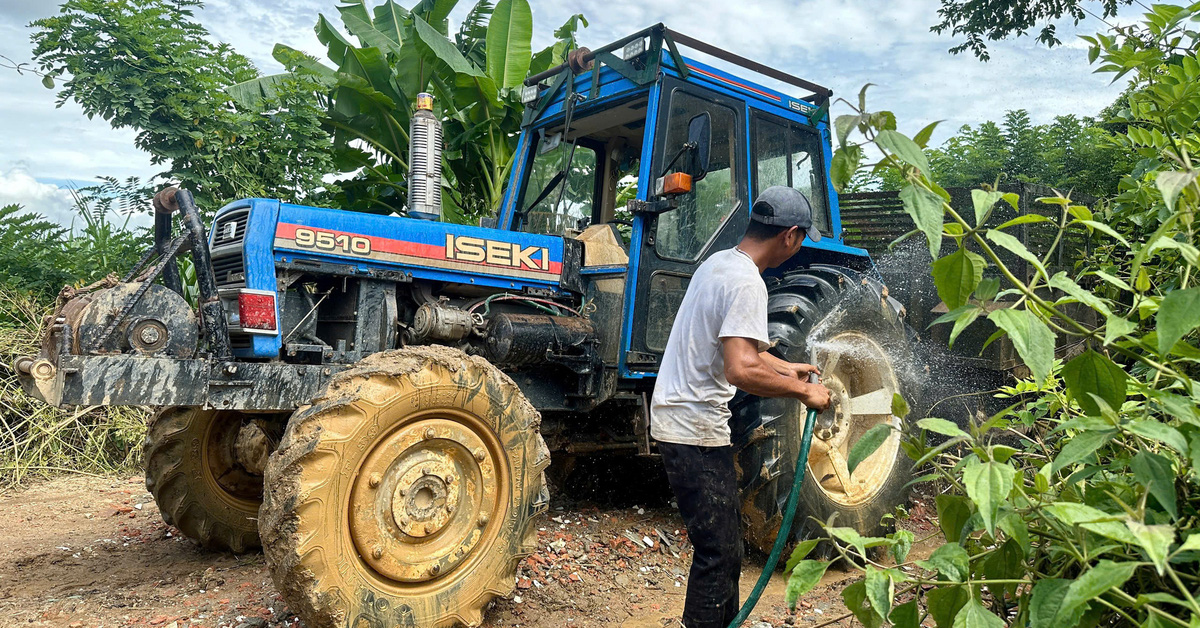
(374, 400)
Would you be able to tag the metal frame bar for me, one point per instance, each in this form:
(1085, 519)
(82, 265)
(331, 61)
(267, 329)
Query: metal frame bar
(659, 33)
(818, 92)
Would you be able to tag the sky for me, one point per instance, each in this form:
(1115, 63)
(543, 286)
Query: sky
(842, 44)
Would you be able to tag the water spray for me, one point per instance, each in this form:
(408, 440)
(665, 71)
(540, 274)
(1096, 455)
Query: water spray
(789, 514)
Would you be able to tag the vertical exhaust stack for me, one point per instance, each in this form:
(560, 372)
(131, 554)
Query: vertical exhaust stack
(425, 161)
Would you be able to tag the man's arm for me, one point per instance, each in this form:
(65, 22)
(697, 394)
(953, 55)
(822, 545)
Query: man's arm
(746, 369)
(790, 369)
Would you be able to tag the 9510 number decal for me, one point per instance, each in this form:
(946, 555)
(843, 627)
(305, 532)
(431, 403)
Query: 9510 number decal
(327, 241)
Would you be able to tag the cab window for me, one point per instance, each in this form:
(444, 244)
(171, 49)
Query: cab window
(556, 200)
(786, 153)
(685, 232)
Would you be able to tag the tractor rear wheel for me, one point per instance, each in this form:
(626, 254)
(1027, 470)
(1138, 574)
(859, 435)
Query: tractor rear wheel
(204, 468)
(845, 324)
(406, 493)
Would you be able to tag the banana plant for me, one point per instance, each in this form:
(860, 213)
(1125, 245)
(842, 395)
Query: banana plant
(371, 89)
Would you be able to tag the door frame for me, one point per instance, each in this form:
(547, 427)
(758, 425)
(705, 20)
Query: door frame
(637, 359)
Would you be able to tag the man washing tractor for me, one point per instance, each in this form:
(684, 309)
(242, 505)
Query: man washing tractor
(374, 399)
(719, 342)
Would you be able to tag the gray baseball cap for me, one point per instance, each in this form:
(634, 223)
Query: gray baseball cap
(785, 207)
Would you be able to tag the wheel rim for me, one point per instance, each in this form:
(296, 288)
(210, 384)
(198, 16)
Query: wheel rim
(425, 501)
(861, 380)
(230, 481)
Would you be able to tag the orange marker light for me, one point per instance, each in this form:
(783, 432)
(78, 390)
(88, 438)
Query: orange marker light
(676, 183)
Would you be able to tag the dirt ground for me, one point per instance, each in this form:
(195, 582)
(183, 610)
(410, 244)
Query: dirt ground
(85, 551)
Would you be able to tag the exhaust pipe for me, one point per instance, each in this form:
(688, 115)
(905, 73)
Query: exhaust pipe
(425, 161)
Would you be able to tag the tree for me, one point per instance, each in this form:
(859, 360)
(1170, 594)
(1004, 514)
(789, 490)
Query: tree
(1070, 154)
(148, 66)
(476, 75)
(998, 19)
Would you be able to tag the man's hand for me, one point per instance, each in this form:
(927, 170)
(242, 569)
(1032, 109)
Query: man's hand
(815, 396)
(765, 375)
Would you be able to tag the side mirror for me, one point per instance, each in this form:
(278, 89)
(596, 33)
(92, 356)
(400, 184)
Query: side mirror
(700, 142)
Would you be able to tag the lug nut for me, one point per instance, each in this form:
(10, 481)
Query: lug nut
(404, 522)
(429, 433)
(480, 455)
(435, 570)
(373, 481)
(429, 528)
(450, 478)
(403, 492)
(483, 519)
(377, 552)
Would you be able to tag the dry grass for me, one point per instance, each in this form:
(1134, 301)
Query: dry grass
(37, 440)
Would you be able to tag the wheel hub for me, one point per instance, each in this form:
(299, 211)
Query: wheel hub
(423, 499)
(426, 496)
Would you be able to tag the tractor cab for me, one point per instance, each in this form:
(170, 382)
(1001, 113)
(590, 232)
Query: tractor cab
(651, 159)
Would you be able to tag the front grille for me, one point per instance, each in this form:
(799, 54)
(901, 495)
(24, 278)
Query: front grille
(230, 228)
(229, 269)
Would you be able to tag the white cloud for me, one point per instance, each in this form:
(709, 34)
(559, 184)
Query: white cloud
(19, 187)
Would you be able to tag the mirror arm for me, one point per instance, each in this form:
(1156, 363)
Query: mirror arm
(688, 146)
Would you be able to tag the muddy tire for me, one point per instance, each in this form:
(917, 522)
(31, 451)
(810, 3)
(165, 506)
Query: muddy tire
(405, 494)
(196, 480)
(845, 324)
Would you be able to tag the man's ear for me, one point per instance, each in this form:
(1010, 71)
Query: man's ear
(794, 236)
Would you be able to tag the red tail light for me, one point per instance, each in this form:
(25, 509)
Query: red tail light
(256, 310)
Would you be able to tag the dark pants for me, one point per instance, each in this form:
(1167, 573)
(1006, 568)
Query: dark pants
(705, 485)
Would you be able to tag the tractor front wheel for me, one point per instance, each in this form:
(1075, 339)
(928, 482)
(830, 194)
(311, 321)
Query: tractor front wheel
(204, 468)
(405, 494)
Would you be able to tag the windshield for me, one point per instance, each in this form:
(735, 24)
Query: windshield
(555, 200)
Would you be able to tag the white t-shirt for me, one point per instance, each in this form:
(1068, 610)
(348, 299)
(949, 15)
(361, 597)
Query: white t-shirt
(726, 298)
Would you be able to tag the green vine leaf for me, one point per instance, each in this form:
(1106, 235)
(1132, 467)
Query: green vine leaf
(867, 445)
(983, 201)
(907, 150)
(1032, 339)
(1178, 315)
(1155, 540)
(974, 615)
(805, 576)
(988, 484)
(926, 210)
(1093, 373)
(956, 276)
(1171, 184)
(1103, 576)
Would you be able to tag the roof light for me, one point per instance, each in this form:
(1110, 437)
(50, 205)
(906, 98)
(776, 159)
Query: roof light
(633, 49)
(529, 93)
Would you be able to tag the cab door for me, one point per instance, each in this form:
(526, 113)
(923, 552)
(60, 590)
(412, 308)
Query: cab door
(712, 217)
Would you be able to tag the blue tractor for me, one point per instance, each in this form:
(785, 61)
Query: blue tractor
(375, 399)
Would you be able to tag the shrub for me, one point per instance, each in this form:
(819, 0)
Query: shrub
(1092, 517)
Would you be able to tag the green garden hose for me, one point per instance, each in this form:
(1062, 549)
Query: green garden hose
(789, 514)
